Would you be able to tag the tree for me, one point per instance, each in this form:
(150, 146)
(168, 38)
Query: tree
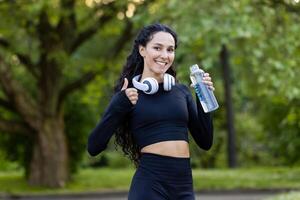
(41, 39)
(224, 60)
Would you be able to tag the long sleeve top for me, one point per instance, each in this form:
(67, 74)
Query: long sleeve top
(165, 115)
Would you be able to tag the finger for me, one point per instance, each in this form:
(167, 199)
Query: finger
(207, 78)
(130, 92)
(133, 99)
(209, 83)
(206, 74)
(125, 84)
(211, 88)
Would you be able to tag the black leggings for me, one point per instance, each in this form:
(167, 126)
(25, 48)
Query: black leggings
(162, 178)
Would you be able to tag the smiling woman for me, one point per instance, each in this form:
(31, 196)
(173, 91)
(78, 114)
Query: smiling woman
(158, 55)
(151, 114)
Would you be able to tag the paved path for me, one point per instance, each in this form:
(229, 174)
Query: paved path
(122, 196)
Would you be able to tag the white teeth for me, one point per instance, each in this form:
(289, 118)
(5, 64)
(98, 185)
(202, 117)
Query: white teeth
(161, 63)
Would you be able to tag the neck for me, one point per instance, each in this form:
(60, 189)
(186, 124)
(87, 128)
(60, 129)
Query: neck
(158, 77)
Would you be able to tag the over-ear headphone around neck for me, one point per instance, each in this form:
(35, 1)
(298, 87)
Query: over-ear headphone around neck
(150, 85)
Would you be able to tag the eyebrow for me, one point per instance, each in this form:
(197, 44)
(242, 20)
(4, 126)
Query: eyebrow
(163, 45)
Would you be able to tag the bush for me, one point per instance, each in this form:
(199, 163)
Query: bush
(7, 165)
(118, 160)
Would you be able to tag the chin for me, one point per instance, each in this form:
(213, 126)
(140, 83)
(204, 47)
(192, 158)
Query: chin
(160, 72)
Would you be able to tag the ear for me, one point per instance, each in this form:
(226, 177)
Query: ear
(142, 50)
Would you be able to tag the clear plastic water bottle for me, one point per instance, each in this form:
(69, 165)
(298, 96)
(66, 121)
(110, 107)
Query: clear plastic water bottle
(206, 95)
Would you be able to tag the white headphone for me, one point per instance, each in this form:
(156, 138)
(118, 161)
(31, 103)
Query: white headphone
(150, 85)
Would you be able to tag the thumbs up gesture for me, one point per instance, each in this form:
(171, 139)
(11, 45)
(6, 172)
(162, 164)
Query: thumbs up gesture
(131, 93)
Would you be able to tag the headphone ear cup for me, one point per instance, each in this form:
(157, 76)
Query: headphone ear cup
(152, 85)
(169, 81)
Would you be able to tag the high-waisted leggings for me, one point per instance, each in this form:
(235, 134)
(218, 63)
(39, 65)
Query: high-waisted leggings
(162, 178)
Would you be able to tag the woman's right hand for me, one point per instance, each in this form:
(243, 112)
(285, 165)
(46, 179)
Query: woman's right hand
(131, 93)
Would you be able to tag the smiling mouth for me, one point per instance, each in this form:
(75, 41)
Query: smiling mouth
(161, 63)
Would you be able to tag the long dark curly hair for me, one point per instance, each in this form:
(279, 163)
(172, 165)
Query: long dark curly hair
(134, 66)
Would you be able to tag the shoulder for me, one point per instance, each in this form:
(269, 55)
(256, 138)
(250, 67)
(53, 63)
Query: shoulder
(183, 88)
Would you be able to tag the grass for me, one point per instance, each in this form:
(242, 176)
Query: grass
(91, 180)
(252, 178)
(286, 196)
(87, 180)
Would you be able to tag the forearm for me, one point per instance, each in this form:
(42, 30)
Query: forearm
(201, 126)
(112, 118)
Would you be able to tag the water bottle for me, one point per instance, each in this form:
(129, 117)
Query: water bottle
(206, 95)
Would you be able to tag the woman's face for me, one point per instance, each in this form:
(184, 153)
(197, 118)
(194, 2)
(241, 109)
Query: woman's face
(158, 54)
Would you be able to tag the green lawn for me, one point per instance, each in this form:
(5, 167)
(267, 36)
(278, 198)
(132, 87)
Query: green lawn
(119, 179)
(286, 196)
(252, 178)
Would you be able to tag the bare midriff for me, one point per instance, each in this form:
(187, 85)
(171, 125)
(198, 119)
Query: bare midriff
(174, 148)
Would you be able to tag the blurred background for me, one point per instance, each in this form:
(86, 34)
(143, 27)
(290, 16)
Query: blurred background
(60, 59)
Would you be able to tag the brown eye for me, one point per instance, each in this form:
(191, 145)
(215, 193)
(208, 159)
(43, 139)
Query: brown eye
(171, 50)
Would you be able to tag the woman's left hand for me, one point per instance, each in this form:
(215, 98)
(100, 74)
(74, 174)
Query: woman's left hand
(207, 80)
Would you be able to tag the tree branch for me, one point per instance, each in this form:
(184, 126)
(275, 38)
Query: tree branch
(24, 59)
(67, 4)
(90, 31)
(18, 96)
(14, 127)
(47, 35)
(7, 105)
(67, 26)
(127, 33)
(79, 83)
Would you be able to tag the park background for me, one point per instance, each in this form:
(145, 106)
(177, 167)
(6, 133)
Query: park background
(60, 59)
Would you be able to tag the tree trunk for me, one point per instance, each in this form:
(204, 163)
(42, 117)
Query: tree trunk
(50, 161)
(231, 149)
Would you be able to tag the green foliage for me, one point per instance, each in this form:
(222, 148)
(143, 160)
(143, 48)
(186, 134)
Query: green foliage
(7, 165)
(113, 157)
(282, 130)
(116, 159)
(16, 149)
(264, 59)
(20, 27)
(79, 119)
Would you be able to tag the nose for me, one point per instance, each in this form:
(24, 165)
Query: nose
(164, 54)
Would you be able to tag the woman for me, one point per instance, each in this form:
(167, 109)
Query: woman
(151, 114)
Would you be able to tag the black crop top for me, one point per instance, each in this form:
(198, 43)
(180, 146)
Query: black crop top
(158, 117)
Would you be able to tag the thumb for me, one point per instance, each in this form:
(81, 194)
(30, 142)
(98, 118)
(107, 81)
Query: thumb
(125, 85)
